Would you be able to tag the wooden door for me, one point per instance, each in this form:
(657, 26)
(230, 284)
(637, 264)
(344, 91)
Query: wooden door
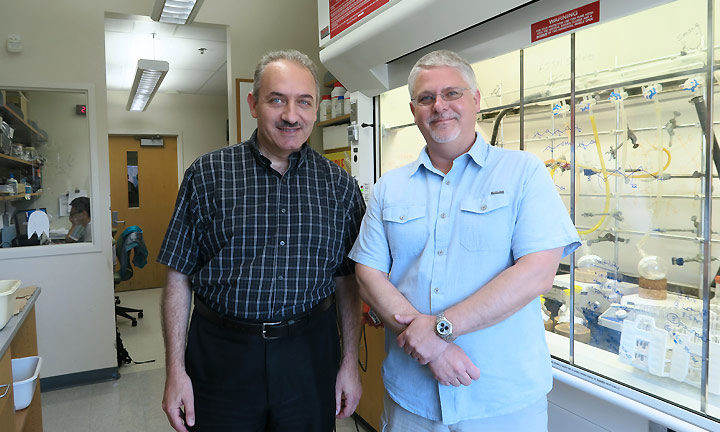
(148, 206)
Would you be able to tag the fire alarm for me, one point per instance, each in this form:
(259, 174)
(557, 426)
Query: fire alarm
(14, 43)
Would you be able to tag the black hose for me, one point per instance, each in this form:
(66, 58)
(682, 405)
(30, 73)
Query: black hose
(496, 125)
(699, 103)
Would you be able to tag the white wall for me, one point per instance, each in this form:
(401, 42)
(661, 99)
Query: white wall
(197, 120)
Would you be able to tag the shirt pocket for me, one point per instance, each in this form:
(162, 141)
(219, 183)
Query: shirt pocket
(485, 223)
(406, 228)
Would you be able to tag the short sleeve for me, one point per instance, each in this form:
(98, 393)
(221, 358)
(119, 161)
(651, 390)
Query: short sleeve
(179, 249)
(543, 221)
(371, 247)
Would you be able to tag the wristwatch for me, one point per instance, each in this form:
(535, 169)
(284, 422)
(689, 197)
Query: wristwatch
(443, 327)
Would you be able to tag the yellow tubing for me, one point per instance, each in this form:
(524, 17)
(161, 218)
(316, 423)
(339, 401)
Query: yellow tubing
(555, 163)
(605, 179)
(649, 175)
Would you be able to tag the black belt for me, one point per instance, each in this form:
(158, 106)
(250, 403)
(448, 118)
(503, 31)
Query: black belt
(266, 330)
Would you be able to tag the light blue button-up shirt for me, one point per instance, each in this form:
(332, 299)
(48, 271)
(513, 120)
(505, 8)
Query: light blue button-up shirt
(442, 237)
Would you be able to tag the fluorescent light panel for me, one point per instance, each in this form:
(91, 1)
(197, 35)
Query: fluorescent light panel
(148, 77)
(175, 11)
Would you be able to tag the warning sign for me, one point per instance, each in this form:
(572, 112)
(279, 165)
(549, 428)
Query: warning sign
(570, 20)
(344, 13)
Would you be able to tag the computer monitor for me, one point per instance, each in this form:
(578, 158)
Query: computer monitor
(21, 223)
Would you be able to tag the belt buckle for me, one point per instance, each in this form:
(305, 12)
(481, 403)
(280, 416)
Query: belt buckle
(264, 330)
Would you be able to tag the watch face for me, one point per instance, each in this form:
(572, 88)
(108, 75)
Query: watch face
(444, 327)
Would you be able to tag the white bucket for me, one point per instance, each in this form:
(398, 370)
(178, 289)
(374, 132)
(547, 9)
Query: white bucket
(25, 372)
(7, 300)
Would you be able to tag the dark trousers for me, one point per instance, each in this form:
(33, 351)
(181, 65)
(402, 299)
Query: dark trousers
(245, 383)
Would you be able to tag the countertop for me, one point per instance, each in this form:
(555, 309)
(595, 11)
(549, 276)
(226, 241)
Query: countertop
(13, 325)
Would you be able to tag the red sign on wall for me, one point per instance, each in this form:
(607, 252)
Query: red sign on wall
(570, 20)
(344, 13)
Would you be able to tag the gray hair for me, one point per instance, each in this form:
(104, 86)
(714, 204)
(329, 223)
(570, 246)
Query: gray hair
(289, 55)
(438, 59)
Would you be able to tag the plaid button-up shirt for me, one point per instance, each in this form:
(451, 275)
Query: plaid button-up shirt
(258, 245)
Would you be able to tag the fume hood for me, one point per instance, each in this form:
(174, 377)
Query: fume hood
(617, 110)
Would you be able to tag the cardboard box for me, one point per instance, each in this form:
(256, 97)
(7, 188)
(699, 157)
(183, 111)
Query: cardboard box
(16, 98)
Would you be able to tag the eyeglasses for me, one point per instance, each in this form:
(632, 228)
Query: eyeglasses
(448, 95)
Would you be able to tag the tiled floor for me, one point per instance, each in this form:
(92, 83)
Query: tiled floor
(131, 403)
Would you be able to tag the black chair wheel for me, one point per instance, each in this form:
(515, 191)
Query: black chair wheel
(134, 323)
(140, 314)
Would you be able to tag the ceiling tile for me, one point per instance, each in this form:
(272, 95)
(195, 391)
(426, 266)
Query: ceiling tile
(127, 40)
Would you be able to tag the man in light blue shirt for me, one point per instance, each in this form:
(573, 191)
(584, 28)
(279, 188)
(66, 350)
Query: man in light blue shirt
(453, 253)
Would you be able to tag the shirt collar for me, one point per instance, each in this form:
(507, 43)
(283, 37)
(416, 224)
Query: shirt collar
(295, 159)
(478, 153)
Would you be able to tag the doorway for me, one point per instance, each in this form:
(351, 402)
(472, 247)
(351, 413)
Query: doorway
(143, 187)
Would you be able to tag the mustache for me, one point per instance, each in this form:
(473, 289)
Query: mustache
(286, 124)
(443, 116)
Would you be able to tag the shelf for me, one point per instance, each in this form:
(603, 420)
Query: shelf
(19, 196)
(336, 150)
(335, 121)
(633, 87)
(24, 131)
(18, 161)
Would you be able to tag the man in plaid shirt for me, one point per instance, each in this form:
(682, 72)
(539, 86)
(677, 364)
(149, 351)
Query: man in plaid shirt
(260, 237)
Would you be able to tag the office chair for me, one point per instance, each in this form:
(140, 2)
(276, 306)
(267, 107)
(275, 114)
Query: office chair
(130, 240)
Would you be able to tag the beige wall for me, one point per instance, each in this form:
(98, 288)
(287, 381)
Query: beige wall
(258, 26)
(64, 47)
(197, 120)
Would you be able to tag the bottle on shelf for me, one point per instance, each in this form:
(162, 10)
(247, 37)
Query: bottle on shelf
(337, 91)
(13, 184)
(325, 105)
(346, 107)
(337, 106)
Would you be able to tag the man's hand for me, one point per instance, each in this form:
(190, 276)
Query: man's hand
(419, 340)
(347, 388)
(453, 367)
(179, 396)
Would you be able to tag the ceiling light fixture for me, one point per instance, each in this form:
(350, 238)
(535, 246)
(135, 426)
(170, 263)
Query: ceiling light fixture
(148, 77)
(175, 11)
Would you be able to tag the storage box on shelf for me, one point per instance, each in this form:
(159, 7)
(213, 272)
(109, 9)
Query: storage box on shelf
(25, 130)
(15, 100)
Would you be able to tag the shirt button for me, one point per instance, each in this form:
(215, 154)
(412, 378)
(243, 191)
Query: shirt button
(483, 207)
(402, 217)
(440, 252)
(280, 277)
(447, 182)
(443, 215)
(437, 290)
(282, 243)
(282, 210)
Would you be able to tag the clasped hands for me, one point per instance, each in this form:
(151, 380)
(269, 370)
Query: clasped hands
(448, 362)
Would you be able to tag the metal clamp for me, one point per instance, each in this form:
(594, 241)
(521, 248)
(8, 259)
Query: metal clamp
(7, 388)
(264, 330)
